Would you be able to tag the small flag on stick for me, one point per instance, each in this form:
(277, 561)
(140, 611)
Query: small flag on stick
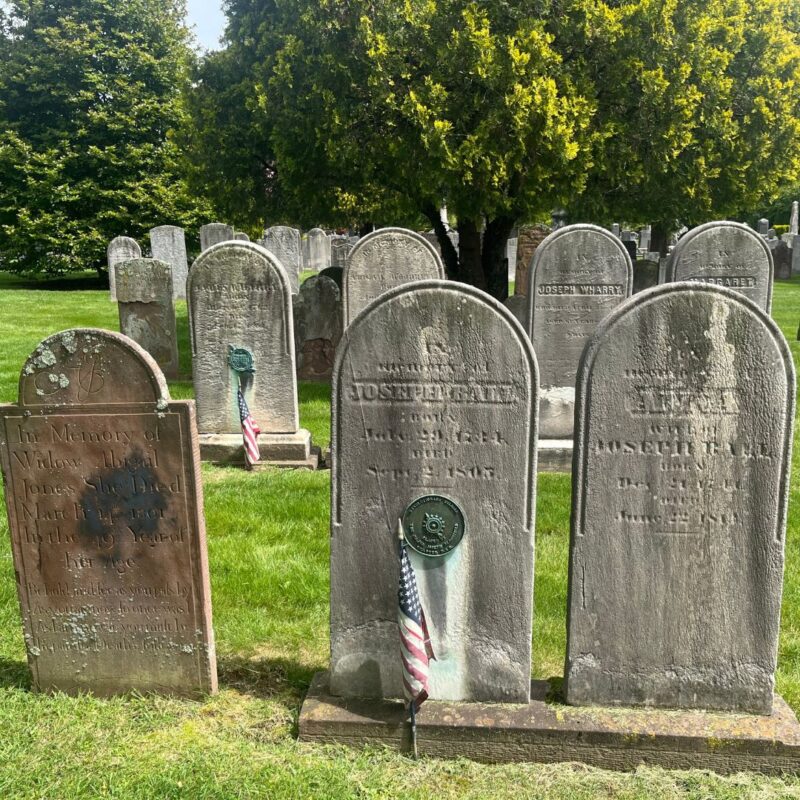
(250, 431)
(415, 641)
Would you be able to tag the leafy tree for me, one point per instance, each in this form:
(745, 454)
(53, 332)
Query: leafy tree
(644, 110)
(89, 98)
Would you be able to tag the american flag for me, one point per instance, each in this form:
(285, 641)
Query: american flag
(250, 431)
(415, 644)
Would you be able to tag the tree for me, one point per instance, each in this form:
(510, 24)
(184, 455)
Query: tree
(89, 100)
(646, 110)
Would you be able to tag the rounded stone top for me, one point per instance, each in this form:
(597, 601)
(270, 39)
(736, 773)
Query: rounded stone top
(89, 367)
(246, 256)
(606, 236)
(124, 243)
(387, 233)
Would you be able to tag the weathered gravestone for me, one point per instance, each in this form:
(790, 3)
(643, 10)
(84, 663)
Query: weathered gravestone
(284, 244)
(214, 233)
(316, 250)
(123, 248)
(334, 273)
(317, 328)
(517, 304)
(384, 259)
(240, 310)
(147, 311)
(434, 392)
(579, 274)
(684, 421)
(340, 250)
(241, 237)
(168, 244)
(726, 254)
(782, 261)
(763, 226)
(104, 498)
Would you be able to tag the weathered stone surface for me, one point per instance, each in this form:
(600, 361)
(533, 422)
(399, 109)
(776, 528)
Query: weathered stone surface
(579, 274)
(528, 239)
(316, 250)
(214, 233)
(725, 254)
(241, 237)
(317, 328)
(796, 260)
(434, 392)
(511, 257)
(146, 309)
(340, 250)
(168, 244)
(384, 259)
(794, 218)
(517, 304)
(645, 274)
(102, 484)
(684, 424)
(334, 273)
(782, 261)
(239, 296)
(284, 243)
(123, 248)
(763, 226)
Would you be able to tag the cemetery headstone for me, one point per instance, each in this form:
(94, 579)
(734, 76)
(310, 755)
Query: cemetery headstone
(104, 499)
(794, 219)
(644, 238)
(239, 236)
(122, 248)
(317, 250)
(168, 244)
(579, 274)
(317, 328)
(782, 261)
(147, 311)
(384, 259)
(684, 420)
(796, 261)
(434, 393)
(214, 233)
(517, 304)
(340, 249)
(511, 258)
(240, 313)
(725, 254)
(763, 226)
(615, 229)
(334, 273)
(284, 243)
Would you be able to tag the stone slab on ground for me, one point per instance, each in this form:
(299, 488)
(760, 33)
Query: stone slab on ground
(554, 455)
(289, 450)
(546, 731)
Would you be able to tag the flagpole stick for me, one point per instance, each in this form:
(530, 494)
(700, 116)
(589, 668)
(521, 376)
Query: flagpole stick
(414, 729)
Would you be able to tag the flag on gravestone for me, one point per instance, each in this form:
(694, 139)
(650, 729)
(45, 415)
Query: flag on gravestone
(415, 641)
(250, 431)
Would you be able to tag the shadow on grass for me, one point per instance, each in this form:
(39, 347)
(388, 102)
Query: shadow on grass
(14, 674)
(265, 677)
(67, 283)
(310, 391)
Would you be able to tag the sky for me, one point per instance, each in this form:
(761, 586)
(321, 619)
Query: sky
(208, 21)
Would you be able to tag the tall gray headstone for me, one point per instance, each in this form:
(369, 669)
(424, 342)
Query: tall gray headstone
(214, 233)
(240, 298)
(384, 259)
(168, 244)
(284, 243)
(684, 421)
(511, 258)
(317, 250)
(763, 226)
(122, 248)
(317, 327)
(793, 219)
(340, 250)
(727, 254)
(434, 392)
(796, 261)
(644, 238)
(615, 229)
(578, 275)
(147, 311)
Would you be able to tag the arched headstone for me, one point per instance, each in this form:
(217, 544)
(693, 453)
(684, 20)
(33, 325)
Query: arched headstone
(284, 243)
(168, 244)
(123, 248)
(317, 328)
(727, 254)
(104, 498)
(434, 393)
(684, 417)
(317, 250)
(384, 259)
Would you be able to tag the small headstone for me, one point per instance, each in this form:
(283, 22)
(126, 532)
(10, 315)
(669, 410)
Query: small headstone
(793, 219)
(214, 233)
(615, 229)
(726, 254)
(168, 244)
(317, 328)
(682, 460)
(579, 274)
(334, 273)
(105, 509)
(284, 243)
(434, 393)
(645, 275)
(241, 237)
(384, 259)
(782, 261)
(763, 226)
(147, 311)
(317, 250)
(644, 238)
(123, 248)
(240, 300)
(772, 234)
(511, 257)
(340, 250)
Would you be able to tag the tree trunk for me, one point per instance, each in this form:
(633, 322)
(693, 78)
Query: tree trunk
(469, 254)
(659, 237)
(493, 256)
(449, 253)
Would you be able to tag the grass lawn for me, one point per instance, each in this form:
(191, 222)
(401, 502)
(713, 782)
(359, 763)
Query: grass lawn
(268, 550)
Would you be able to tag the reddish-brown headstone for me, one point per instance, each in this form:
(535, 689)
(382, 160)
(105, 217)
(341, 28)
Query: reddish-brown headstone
(104, 499)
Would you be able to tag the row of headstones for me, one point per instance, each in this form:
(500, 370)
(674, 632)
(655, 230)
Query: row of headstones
(684, 423)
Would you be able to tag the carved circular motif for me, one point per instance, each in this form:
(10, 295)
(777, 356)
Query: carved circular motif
(433, 525)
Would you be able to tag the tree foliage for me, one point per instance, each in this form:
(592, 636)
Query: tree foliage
(89, 99)
(379, 110)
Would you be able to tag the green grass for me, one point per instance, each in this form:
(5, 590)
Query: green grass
(268, 551)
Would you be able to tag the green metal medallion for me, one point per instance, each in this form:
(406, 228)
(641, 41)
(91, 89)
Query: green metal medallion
(433, 525)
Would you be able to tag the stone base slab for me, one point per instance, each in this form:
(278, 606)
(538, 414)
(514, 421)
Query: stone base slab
(554, 455)
(291, 450)
(547, 731)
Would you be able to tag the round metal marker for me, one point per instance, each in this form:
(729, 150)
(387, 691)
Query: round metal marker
(433, 525)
